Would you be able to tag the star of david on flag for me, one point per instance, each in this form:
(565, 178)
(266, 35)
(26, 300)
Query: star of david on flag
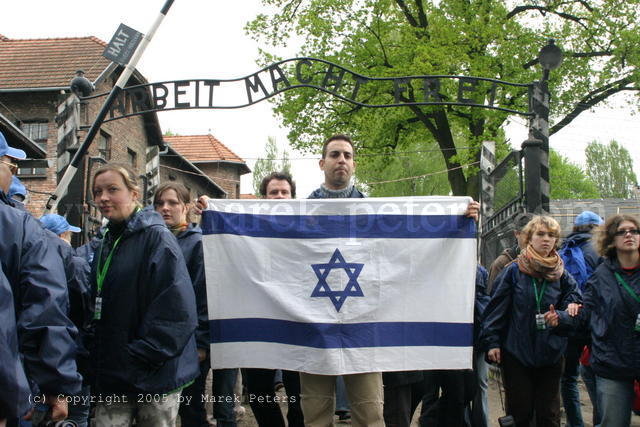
(323, 289)
(340, 286)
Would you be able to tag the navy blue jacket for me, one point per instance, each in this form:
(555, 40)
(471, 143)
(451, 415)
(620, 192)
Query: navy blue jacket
(36, 275)
(144, 341)
(14, 388)
(583, 241)
(611, 313)
(355, 194)
(509, 319)
(88, 250)
(481, 301)
(190, 242)
(77, 272)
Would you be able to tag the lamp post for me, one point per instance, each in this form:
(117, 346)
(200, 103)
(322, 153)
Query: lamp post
(536, 147)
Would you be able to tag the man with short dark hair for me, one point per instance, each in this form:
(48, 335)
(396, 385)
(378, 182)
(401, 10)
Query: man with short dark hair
(364, 390)
(278, 185)
(260, 382)
(338, 165)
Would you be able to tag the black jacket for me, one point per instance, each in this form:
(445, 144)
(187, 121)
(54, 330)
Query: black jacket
(509, 319)
(144, 340)
(190, 242)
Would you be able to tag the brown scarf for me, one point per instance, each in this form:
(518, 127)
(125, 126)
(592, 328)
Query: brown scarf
(548, 268)
(177, 229)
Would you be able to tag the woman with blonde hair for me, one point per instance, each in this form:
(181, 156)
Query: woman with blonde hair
(143, 349)
(529, 296)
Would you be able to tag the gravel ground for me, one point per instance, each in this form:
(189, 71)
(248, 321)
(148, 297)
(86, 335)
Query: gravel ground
(495, 409)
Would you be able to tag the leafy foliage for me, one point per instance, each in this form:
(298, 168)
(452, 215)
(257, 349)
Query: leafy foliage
(568, 180)
(482, 38)
(611, 168)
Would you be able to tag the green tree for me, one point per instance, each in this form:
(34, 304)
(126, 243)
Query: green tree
(611, 168)
(416, 171)
(482, 38)
(273, 161)
(568, 180)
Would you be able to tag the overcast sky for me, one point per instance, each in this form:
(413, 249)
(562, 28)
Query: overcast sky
(205, 39)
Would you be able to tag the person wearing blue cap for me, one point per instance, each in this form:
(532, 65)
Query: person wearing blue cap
(37, 279)
(59, 226)
(8, 153)
(17, 193)
(580, 259)
(17, 190)
(77, 272)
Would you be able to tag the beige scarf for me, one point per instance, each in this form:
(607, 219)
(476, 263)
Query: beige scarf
(548, 268)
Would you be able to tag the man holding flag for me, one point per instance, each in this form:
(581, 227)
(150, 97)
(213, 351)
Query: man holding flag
(341, 287)
(364, 390)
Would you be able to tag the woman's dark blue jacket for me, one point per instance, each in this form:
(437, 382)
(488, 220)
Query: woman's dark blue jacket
(509, 319)
(144, 341)
(611, 313)
(190, 242)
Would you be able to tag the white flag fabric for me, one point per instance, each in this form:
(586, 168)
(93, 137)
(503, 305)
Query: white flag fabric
(340, 286)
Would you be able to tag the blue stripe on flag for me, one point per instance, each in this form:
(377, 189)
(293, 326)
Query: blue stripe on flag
(342, 335)
(340, 226)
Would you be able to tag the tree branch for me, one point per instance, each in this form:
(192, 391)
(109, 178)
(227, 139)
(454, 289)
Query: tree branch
(407, 13)
(593, 98)
(543, 11)
(574, 55)
(422, 16)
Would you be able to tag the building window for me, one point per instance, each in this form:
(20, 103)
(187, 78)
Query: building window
(104, 145)
(38, 132)
(133, 158)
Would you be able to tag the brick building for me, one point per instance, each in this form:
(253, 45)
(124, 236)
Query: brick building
(175, 167)
(34, 96)
(210, 156)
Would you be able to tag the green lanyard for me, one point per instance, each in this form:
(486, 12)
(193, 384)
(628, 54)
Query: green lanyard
(535, 291)
(624, 284)
(102, 272)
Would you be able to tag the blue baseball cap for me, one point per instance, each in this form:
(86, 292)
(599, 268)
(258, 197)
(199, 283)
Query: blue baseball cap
(57, 224)
(17, 188)
(5, 150)
(588, 217)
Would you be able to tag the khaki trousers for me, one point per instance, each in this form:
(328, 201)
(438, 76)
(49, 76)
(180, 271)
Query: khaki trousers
(363, 390)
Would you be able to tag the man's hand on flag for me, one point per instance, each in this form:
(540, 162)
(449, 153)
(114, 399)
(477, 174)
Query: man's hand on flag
(201, 204)
(473, 210)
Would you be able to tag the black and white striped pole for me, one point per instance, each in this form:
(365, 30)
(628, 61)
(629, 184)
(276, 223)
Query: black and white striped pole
(487, 165)
(95, 127)
(536, 147)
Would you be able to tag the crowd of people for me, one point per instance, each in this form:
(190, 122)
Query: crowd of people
(117, 330)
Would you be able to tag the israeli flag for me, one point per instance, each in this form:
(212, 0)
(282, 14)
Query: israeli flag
(340, 286)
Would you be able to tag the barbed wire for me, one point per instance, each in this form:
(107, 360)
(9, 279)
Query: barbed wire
(422, 176)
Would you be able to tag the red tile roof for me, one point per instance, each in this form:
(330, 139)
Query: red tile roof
(202, 148)
(37, 63)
